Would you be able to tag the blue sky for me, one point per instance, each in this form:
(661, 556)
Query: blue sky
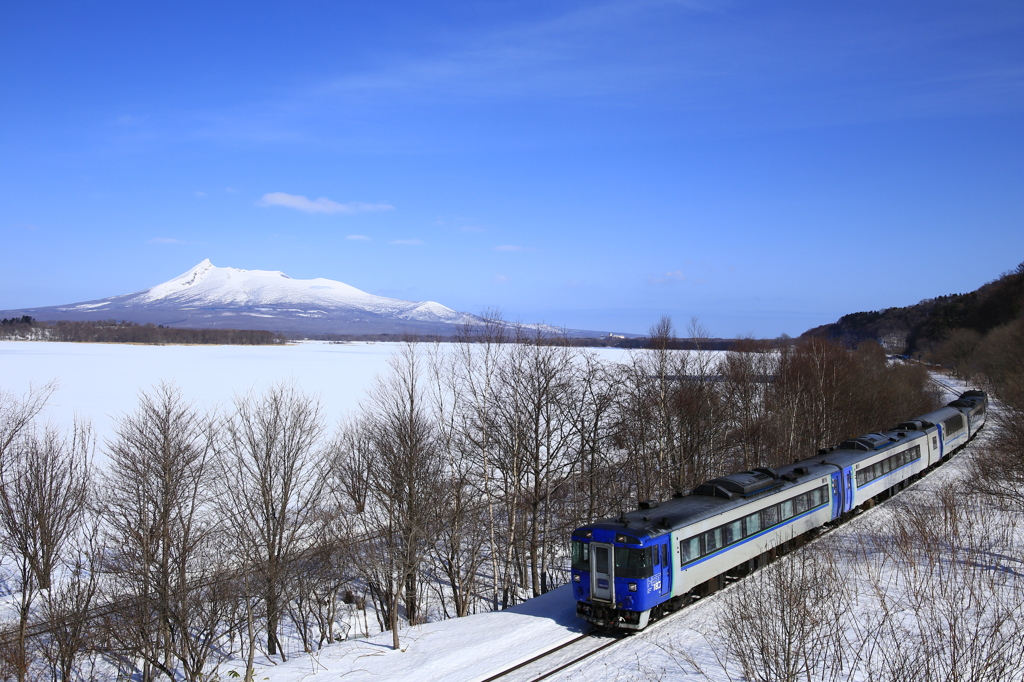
(766, 167)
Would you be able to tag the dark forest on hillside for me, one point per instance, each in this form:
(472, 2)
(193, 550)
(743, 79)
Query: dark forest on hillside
(921, 328)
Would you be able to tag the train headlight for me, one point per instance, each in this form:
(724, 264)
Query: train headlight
(576, 577)
(632, 587)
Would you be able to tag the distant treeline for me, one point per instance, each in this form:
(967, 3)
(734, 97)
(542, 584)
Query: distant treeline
(112, 331)
(550, 340)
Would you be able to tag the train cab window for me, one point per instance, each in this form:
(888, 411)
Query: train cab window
(733, 531)
(580, 555)
(752, 524)
(634, 563)
(770, 516)
(689, 549)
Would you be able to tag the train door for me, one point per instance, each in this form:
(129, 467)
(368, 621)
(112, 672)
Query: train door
(666, 569)
(942, 441)
(850, 490)
(602, 572)
(837, 495)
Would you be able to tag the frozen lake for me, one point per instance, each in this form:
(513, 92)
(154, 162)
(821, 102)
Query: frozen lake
(102, 381)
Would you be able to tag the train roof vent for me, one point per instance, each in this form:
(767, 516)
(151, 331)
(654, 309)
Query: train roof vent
(709, 489)
(796, 473)
(648, 504)
(745, 482)
(973, 393)
(914, 425)
(962, 403)
(767, 472)
(869, 441)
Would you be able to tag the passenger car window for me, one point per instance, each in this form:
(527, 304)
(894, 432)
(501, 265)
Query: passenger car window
(689, 549)
(712, 540)
(734, 531)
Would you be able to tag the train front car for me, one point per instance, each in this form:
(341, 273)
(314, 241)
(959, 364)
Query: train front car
(621, 570)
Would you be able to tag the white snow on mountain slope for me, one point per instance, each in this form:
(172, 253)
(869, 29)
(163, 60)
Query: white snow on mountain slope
(207, 286)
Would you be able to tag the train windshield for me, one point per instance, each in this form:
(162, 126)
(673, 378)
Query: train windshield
(634, 563)
(580, 555)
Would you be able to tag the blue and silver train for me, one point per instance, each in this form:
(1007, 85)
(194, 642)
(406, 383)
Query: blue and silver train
(631, 569)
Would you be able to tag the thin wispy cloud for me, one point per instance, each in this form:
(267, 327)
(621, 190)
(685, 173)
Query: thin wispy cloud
(471, 228)
(406, 242)
(669, 277)
(358, 238)
(508, 247)
(321, 205)
(501, 279)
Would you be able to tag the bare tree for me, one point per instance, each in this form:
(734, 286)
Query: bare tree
(475, 365)
(43, 492)
(405, 476)
(747, 370)
(590, 409)
(155, 498)
(71, 633)
(273, 482)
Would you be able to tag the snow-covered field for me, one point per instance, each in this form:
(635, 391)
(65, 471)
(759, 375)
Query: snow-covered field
(101, 381)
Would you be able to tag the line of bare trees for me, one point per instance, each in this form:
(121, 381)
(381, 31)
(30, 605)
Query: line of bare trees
(247, 535)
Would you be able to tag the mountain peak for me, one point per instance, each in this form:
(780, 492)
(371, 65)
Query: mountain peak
(209, 296)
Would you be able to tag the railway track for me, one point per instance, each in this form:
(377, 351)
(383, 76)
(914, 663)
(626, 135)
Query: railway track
(557, 659)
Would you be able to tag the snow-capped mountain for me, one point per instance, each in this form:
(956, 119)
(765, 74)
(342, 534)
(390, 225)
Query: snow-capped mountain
(208, 296)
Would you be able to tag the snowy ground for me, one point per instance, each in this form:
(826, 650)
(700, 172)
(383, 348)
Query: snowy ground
(470, 648)
(101, 381)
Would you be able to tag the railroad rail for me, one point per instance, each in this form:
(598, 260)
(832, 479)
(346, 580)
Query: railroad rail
(557, 659)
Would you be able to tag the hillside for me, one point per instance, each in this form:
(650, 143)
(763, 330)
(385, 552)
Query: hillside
(917, 328)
